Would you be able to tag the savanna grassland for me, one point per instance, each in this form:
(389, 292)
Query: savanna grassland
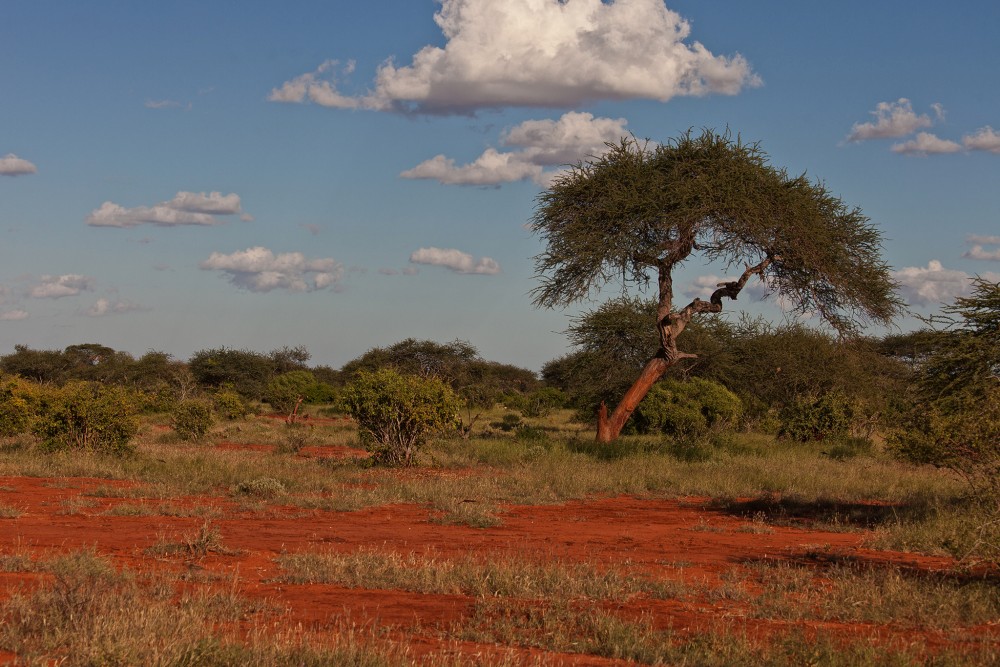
(264, 543)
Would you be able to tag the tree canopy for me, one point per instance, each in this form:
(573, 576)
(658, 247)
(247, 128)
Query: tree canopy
(636, 213)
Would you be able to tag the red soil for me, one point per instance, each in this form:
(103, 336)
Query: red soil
(678, 538)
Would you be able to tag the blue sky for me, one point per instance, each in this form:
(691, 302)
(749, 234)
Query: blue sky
(342, 175)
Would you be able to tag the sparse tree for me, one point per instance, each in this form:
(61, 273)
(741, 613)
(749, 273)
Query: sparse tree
(638, 212)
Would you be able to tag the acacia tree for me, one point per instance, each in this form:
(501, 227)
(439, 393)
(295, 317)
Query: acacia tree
(638, 212)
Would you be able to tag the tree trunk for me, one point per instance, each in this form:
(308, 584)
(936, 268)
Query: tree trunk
(608, 428)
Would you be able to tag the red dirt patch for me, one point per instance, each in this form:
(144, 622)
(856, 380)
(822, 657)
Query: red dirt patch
(679, 539)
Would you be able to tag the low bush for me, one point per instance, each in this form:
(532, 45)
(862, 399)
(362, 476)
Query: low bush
(192, 418)
(18, 404)
(812, 418)
(397, 413)
(686, 408)
(228, 404)
(87, 415)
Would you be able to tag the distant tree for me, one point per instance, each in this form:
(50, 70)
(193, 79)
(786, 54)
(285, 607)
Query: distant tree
(43, 366)
(639, 211)
(245, 371)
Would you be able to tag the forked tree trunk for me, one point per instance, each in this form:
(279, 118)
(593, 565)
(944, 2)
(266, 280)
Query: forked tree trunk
(608, 428)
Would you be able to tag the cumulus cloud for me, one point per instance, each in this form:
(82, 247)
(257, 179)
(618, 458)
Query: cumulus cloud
(538, 144)
(931, 284)
(985, 139)
(107, 307)
(455, 260)
(12, 165)
(13, 315)
(57, 287)
(258, 269)
(926, 143)
(186, 208)
(892, 119)
(544, 53)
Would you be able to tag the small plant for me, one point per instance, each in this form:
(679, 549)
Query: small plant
(810, 418)
(510, 422)
(396, 413)
(296, 436)
(192, 419)
(261, 487)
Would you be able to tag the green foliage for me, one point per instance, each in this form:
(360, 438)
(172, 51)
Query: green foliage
(244, 371)
(192, 418)
(954, 420)
(18, 405)
(396, 413)
(285, 391)
(686, 408)
(639, 209)
(87, 416)
(807, 418)
(230, 405)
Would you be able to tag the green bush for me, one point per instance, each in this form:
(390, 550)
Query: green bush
(18, 404)
(286, 390)
(89, 416)
(686, 408)
(228, 404)
(396, 413)
(192, 418)
(828, 416)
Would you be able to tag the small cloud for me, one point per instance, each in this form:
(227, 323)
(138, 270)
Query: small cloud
(538, 54)
(13, 315)
(892, 119)
(57, 287)
(12, 165)
(410, 271)
(985, 139)
(186, 208)
(312, 229)
(983, 240)
(978, 252)
(931, 284)
(455, 260)
(704, 286)
(260, 270)
(107, 307)
(542, 143)
(388, 272)
(166, 104)
(926, 143)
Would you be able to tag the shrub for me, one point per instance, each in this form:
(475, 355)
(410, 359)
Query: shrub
(686, 408)
(396, 413)
(192, 418)
(89, 416)
(18, 403)
(285, 391)
(230, 405)
(828, 416)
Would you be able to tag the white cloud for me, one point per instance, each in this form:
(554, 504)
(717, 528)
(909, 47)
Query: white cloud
(12, 165)
(260, 270)
(981, 239)
(892, 119)
(167, 104)
(542, 143)
(186, 208)
(933, 284)
(107, 307)
(56, 287)
(13, 315)
(985, 139)
(978, 252)
(455, 260)
(926, 143)
(546, 53)
(703, 286)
